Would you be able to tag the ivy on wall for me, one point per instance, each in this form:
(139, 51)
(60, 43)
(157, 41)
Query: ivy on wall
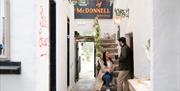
(98, 42)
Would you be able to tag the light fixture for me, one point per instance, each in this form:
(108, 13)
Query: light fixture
(117, 20)
(122, 12)
(119, 14)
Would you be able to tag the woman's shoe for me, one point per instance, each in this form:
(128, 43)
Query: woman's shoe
(108, 89)
(110, 84)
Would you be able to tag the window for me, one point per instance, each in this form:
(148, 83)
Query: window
(80, 2)
(4, 29)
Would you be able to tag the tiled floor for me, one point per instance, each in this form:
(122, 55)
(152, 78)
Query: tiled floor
(86, 82)
(85, 85)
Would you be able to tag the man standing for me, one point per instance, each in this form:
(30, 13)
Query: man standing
(125, 65)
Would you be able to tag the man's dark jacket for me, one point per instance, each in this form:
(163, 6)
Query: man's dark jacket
(126, 58)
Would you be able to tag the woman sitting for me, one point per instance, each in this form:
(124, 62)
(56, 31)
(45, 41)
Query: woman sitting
(106, 70)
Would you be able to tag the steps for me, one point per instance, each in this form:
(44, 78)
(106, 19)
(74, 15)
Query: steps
(107, 40)
(110, 45)
(107, 45)
(112, 88)
(111, 50)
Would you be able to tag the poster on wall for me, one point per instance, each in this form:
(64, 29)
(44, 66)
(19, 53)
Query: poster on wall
(89, 9)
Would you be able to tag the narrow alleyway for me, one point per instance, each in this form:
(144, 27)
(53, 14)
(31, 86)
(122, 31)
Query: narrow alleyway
(89, 45)
(85, 85)
(86, 76)
(86, 82)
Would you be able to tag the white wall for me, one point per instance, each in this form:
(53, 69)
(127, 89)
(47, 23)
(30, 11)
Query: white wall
(140, 23)
(106, 25)
(70, 14)
(23, 47)
(166, 45)
(61, 32)
(42, 49)
(64, 10)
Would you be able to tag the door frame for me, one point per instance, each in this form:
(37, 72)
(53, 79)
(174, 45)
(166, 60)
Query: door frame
(68, 52)
(52, 31)
(130, 43)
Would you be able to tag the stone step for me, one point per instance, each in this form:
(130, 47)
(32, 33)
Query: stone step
(116, 68)
(115, 61)
(108, 40)
(115, 73)
(112, 55)
(112, 88)
(116, 65)
(111, 50)
(114, 81)
(109, 45)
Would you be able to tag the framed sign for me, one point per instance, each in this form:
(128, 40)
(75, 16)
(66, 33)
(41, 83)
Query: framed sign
(89, 9)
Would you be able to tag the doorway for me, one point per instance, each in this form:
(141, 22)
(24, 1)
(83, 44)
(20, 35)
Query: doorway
(52, 14)
(85, 58)
(130, 43)
(68, 52)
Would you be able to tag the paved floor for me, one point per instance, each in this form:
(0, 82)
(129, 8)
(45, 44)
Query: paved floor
(85, 85)
(86, 82)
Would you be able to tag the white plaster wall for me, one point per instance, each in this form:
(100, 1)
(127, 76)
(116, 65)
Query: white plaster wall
(140, 23)
(64, 10)
(106, 25)
(61, 50)
(70, 14)
(72, 49)
(42, 51)
(166, 45)
(23, 45)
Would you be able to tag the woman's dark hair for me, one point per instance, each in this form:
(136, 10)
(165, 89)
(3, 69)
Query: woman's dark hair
(122, 39)
(104, 58)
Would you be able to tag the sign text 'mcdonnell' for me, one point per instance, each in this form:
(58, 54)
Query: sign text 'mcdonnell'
(92, 10)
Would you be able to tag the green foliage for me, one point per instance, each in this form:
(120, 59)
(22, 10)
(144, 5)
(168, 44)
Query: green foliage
(98, 42)
(87, 50)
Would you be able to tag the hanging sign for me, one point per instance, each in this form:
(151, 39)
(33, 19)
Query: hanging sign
(103, 9)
